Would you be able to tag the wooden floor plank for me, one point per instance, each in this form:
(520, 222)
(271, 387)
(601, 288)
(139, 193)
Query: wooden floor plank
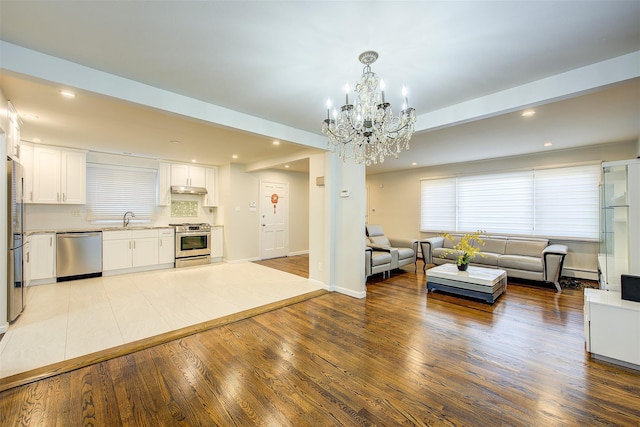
(400, 356)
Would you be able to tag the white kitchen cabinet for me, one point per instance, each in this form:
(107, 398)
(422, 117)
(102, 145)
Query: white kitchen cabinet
(164, 184)
(125, 249)
(59, 176)
(188, 175)
(167, 246)
(211, 184)
(40, 259)
(216, 242)
(26, 159)
(612, 327)
(13, 133)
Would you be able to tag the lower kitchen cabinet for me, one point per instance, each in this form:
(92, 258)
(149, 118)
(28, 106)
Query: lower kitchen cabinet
(167, 245)
(129, 249)
(40, 258)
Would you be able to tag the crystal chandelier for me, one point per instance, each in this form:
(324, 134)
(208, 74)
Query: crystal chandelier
(367, 130)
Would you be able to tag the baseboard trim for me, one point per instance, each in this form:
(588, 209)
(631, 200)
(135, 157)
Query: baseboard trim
(298, 253)
(351, 292)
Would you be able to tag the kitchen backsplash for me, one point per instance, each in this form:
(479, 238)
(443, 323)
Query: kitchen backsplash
(66, 217)
(181, 208)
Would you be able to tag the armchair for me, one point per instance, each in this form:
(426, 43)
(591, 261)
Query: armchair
(407, 249)
(379, 261)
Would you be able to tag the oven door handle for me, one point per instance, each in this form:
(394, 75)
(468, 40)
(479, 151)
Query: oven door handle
(194, 233)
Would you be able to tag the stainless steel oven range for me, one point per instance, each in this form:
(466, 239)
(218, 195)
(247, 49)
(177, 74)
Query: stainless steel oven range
(193, 244)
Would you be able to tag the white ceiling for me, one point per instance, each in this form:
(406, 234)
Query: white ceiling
(278, 61)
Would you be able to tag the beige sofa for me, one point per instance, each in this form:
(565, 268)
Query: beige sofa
(520, 257)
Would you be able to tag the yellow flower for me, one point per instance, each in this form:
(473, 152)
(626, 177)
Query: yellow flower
(467, 248)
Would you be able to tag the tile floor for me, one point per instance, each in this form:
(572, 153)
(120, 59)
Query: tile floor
(69, 319)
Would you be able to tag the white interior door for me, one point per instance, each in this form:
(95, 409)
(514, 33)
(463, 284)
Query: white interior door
(274, 219)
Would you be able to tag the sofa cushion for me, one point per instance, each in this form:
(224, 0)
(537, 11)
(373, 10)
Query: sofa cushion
(489, 258)
(440, 253)
(404, 253)
(528, 247)
(520, 262)
(379, 240)
(380, 258)
(494, 245)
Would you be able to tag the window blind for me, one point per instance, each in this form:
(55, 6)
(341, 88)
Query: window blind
(113, 190)
(559, 202)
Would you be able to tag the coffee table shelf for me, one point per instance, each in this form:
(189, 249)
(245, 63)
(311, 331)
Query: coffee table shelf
(477, 282)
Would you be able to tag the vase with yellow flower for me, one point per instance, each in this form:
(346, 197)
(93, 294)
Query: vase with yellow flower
(466, 248)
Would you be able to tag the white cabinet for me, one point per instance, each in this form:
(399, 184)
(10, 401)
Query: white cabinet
(129, 249)
(40, 259)
(188, 175)
(59, 176)
(26, 159)
(13, 133)
(211, 184)
(167, 246)
(164, 184)
(612, 327)
(216, 242)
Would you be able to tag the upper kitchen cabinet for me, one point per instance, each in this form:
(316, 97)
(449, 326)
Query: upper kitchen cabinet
(26, 160)
(59, 176)
(188, 175)
(13, 133)
(211, 184)
(164, 184)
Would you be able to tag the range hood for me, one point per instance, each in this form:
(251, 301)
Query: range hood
(179, 189)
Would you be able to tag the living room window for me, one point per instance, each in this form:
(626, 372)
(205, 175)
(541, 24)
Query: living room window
(558, 202)
(113, 190)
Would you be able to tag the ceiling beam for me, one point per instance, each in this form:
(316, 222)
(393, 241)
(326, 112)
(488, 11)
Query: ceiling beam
(555, 88)
(46, 67)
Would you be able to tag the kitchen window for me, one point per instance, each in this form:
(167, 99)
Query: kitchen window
(113, 190)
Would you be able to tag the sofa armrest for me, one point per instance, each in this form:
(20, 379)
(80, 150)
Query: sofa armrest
(553, 258)
(428, 245)
(404, 243)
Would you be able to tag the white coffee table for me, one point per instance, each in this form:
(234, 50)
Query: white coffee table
(477, 282)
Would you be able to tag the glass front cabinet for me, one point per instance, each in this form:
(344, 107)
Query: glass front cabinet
(619, 251)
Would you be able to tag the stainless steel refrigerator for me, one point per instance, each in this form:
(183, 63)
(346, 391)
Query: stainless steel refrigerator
(15, 233)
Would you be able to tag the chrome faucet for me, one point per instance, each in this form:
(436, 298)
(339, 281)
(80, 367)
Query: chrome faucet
(125, 220)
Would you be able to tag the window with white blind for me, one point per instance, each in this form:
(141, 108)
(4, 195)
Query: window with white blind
(560, 202)
(113, 190)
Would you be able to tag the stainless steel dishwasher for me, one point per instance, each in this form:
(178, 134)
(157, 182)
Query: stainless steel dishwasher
(78, 255)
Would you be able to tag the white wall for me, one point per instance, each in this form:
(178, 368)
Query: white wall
(394, 198)
(242, 225)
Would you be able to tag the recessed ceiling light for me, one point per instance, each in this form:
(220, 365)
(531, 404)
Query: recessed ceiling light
(528, 113)
(414, 164)
(548, 144)
(36, 139)
(276, 142)
(29, 116)
(286, 166)
(193, 161)
(235, 156)
(175, 141)
(67, 94)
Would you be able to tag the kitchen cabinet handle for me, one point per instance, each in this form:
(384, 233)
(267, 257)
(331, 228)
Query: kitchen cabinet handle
(134, 244)
(31, 196)
(50, 241)
(28, 253)
(129, 244)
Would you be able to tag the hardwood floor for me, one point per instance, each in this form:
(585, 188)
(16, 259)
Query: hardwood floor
(398, 357)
